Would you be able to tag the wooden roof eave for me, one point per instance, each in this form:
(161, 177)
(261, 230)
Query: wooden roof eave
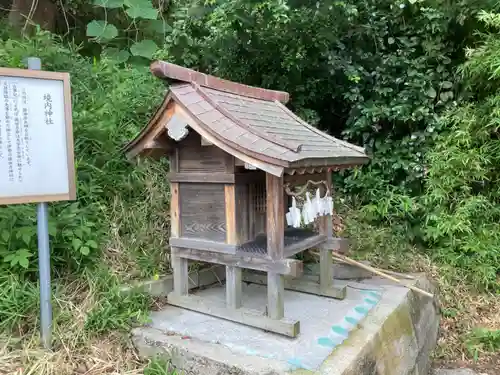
(337, 162)
(271, 165)
(276, 170)
(134, 147)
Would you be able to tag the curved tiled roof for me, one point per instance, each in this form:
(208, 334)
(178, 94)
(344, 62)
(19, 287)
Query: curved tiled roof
(254, 121)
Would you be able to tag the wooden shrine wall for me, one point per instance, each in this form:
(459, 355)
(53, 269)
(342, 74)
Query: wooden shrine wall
(193, 157)
(202, 211)
(202, 204)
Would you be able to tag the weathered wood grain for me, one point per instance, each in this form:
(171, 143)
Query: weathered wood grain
(174, 210)
(215, 177)
(292, 267)
(201, 244)
(302, 284)
(233, 274)
(337, 244)
(325, 256)
(180, 271)
(242, 214)
(275, 230)
(253, 318)
(233, 287)
(193, 157)
(202, 211)
(303, 245)
(275, 295)
(230, 212)
(275, 227)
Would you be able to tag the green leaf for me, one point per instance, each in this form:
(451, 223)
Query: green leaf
(92, 244)
(67, 233)
(24, 253)
(146, 13)
(431, 93)
(117, 55)
(390, 40)
(446, 85)
(27, 238)
(110, 4)
(141, 9)
(52, 229)
(138, 3)
(145, 48)
(101, 30)
(446, 95)
(77, 243)
(5, 235)
(24, 262)
(158, 26)
(84, 250)
(78, 232)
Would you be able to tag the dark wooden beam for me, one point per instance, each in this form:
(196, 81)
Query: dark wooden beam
(292, 267)
(253, 318)
(216, 178)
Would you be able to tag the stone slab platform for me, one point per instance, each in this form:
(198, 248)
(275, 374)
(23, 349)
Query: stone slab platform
(395, 337)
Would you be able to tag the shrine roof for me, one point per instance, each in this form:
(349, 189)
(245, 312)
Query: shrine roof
(254, 121)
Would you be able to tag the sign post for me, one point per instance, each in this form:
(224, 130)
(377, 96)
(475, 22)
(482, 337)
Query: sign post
(36, 155)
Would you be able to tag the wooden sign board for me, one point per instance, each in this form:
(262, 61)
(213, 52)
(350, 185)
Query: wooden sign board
(36, 137)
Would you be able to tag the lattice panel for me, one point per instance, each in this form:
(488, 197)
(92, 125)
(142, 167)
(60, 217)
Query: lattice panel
(259, 198)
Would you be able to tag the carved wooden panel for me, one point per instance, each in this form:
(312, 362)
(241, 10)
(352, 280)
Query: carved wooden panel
(202, 211)
(193, 157)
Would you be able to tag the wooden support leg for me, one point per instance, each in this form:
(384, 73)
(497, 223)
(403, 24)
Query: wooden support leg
(275, 296)
(325, 255)
(181, 278)
(275, 228)
(233, 287)
(325, 270)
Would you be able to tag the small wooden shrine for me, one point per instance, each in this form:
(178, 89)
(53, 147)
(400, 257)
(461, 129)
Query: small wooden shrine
(237, 154)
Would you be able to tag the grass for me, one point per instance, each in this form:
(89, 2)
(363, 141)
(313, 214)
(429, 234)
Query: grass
(90, 333)
(92, 319)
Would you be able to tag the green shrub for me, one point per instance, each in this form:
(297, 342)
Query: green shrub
(111, 103)
(462, 200)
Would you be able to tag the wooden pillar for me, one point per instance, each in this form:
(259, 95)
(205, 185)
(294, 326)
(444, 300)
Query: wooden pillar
(325, 257)
(275, 229)
(233, 274)
(180, 270)
(179, 265)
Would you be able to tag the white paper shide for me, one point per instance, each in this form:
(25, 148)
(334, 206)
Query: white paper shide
(33, 148)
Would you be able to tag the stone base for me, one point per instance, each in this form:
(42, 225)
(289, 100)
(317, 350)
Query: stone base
(395, 338)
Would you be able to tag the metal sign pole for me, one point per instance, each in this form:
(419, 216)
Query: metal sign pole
(34, 63)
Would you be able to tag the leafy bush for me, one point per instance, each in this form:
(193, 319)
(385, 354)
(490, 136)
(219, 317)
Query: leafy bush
(463, 195)
(376, 72)
(110, 105)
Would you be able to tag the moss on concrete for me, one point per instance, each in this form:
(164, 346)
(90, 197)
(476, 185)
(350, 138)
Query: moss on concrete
(393, 339)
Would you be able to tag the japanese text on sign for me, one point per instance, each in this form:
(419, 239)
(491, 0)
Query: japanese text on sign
(34, 158)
